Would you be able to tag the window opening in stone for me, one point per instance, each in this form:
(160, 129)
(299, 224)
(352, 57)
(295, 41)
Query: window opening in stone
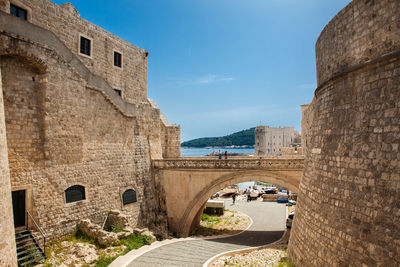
(75, 193)
(117, 59)
(118, 92)
(85, 46)
(18, 12)
(129, 196)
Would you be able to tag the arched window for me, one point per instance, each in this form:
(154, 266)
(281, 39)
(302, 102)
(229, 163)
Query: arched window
(129, 196)
(74, 193)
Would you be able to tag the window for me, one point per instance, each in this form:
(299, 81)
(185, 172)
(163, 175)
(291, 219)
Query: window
(75, 193)
(117, 59)
(118, 92)
(85, 46)
(18, 12)
(129, 196)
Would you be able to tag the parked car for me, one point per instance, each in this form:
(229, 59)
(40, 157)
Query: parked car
(289, 220)
(270, 191)
(282, 200)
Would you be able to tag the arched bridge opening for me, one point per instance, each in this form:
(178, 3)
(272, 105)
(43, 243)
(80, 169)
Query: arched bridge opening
(187, 184)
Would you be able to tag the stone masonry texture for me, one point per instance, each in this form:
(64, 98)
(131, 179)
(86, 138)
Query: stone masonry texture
(63, 128)
(7, 241)
(348, 205)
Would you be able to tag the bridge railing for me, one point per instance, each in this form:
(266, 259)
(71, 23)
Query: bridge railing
(278, 163)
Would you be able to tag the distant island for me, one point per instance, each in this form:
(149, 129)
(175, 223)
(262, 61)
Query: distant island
(243, 139)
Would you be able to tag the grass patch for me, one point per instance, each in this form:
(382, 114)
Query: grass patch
(210, 219)
(79, 236)
(284, 262)
(134, 241)
(130, 242)
(104, 261)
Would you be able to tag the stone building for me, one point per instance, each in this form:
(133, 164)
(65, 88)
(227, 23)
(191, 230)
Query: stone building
(77, 130)
(348, 203)
(269, 141)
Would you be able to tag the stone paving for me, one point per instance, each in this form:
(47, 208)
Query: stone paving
(268, 226)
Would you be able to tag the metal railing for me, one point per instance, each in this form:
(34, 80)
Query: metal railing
(104, 223)
(38, 228)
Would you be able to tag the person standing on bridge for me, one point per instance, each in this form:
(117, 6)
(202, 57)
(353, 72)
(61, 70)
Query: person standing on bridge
(219, 154)
(226, 154)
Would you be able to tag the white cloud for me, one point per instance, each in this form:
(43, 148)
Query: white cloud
(212, 78)
(208, 79)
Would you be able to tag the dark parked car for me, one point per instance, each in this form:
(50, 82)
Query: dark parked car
(289, 220)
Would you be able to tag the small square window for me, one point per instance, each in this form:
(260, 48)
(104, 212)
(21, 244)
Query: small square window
(85, 46)
(117, 59)
(18, 12)
(118, 92)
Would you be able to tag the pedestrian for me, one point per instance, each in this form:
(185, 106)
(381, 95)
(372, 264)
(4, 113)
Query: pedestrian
(226, 154)
(248, 195)
(219, 154)
(234, 198)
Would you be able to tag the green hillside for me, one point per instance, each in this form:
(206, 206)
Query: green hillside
(242, 138)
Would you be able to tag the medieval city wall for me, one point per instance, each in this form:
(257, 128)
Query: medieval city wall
(348, 208)
(65, 22)
(60, 134)
(63, 131)
(7, 241)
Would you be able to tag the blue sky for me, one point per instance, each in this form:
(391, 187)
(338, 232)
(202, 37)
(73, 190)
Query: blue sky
(219, 66)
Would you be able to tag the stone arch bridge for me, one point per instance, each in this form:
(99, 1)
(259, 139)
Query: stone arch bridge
(187, 183)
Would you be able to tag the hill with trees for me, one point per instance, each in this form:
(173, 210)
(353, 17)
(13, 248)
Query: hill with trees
(242, 138)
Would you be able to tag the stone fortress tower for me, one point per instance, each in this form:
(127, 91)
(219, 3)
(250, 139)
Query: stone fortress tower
(348, 204)
(77, 131)
(269, 141)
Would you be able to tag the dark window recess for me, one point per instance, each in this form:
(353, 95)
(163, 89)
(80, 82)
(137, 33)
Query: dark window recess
(18, 12)
(85, 46)
(75, 193)
(117, 59)
(118, 92)
(129, 196)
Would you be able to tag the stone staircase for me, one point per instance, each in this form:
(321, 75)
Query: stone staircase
(28, 250)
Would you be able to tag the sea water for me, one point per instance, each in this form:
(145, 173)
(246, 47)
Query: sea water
(199, 152)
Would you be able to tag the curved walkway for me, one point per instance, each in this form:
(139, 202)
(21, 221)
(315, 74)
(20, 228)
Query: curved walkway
(268, 226)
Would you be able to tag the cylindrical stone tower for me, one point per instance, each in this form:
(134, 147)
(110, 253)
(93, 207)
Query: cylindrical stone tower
(348, 211)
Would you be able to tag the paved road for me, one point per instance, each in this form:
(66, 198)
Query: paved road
(268, 226)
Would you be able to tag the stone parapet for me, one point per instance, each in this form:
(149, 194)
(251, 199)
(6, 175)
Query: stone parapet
(272, 163)
(361, 32)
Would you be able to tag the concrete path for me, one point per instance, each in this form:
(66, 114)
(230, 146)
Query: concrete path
(268, 226)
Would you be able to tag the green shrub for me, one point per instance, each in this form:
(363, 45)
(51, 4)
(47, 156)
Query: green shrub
(205, 217)
(104, 261)
(134, 241)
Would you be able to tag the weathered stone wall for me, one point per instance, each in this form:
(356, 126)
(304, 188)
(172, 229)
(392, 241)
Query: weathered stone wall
(305, 124)
(7, 241)
(171, 141)
(269, 141)
(64, 128)
(60, 134)
(348, 203)
(65, 22)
